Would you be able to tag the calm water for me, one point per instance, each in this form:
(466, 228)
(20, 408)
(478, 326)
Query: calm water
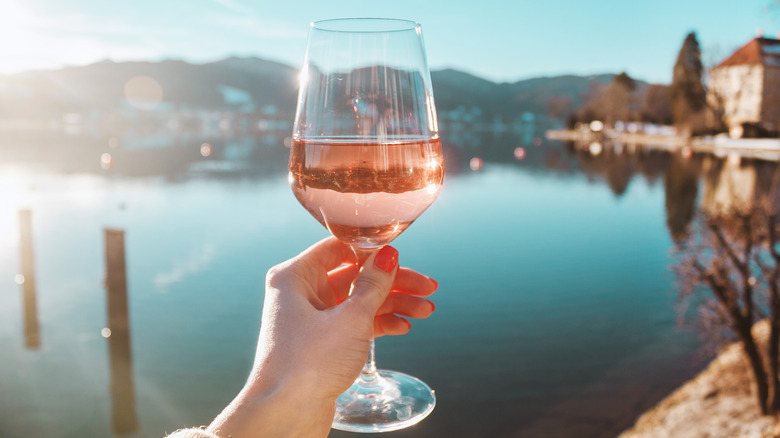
(555, 314)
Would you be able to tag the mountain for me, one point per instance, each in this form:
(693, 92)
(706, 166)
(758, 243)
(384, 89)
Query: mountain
(453, 88)
(102, 85)
(254, 83)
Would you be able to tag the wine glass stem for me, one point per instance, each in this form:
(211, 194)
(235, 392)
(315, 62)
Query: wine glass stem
(368, 375)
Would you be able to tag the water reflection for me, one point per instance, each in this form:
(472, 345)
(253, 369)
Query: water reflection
(681, 186)
(32, 337)
(179, 153)
(616, 164)
(124, 419)
(142, 153)
(711, 183)
(584, 315)
(728, 269)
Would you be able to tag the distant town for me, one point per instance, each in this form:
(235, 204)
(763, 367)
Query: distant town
(735, 106)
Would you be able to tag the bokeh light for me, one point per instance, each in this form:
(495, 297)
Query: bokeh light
(106, 161)
(596, 125)
(19, 278)
(476, 164)
(105, 332)
(520, 153)
(206, 149)
(595, 148)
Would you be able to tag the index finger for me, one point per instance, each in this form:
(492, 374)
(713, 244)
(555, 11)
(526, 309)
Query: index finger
(411, 282)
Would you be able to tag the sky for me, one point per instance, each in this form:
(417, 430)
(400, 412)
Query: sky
(500, 40)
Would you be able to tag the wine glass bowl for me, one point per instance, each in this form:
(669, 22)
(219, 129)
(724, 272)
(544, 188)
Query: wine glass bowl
(366, 161)
(366, 194)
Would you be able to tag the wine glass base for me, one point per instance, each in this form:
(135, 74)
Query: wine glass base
(390, 402)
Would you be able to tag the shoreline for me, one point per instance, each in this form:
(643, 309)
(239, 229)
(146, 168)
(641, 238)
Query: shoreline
(719, 145)
(719, 402)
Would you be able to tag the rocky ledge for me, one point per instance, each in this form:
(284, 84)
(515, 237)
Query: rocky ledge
(718, 403)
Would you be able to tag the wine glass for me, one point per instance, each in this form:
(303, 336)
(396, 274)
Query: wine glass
(366, 161)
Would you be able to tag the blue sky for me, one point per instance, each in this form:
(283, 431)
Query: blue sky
(501, 40)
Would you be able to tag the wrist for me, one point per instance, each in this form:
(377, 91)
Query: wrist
(274, 409)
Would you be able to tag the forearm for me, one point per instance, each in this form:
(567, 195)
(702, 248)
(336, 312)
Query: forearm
(282, 411)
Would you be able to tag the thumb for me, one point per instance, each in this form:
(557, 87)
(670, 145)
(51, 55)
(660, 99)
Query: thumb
(373, 283)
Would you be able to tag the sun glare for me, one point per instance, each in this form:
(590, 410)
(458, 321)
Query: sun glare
(34, 40)
(15, 196)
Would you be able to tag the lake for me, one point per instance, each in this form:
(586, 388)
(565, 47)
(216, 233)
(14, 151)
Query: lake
(556, 313)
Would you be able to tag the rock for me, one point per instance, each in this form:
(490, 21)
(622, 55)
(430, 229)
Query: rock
(718, 403)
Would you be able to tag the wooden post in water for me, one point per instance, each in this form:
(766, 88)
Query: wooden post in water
(124, 418)
(32, 337)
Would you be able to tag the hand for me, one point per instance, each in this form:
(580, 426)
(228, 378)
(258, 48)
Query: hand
(319, 315)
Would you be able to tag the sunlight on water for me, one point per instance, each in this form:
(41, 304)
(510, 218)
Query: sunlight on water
(531, 252)
(16, 192)
(196, 261)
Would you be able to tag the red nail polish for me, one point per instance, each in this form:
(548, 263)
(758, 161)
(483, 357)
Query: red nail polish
(433, 306)
(409, 324)
(386, 259)
(435, 283)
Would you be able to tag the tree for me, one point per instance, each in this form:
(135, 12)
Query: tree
(734, 254)
(655, 105)
(559, 106)
(611, 103)
(687, 95)
(625, 81)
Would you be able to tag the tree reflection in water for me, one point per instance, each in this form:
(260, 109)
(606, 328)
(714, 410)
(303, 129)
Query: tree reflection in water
(722, 214)
(729, 267)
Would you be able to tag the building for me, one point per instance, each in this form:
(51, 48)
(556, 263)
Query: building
(746, 88)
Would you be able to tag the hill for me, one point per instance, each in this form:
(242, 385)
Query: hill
(253, 83)
(454, 88)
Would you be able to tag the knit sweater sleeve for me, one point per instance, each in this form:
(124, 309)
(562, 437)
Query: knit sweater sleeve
(191, 433)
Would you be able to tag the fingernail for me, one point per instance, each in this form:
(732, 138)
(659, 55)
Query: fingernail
(433, 306)
(408, 324)
(386, 259)
(435, 283)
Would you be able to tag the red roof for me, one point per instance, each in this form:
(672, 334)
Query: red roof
(757, 51)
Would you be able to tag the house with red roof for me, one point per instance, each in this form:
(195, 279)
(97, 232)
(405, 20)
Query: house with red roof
(745, 88)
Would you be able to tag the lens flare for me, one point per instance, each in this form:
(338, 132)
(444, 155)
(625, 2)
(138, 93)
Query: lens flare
(143, 92)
